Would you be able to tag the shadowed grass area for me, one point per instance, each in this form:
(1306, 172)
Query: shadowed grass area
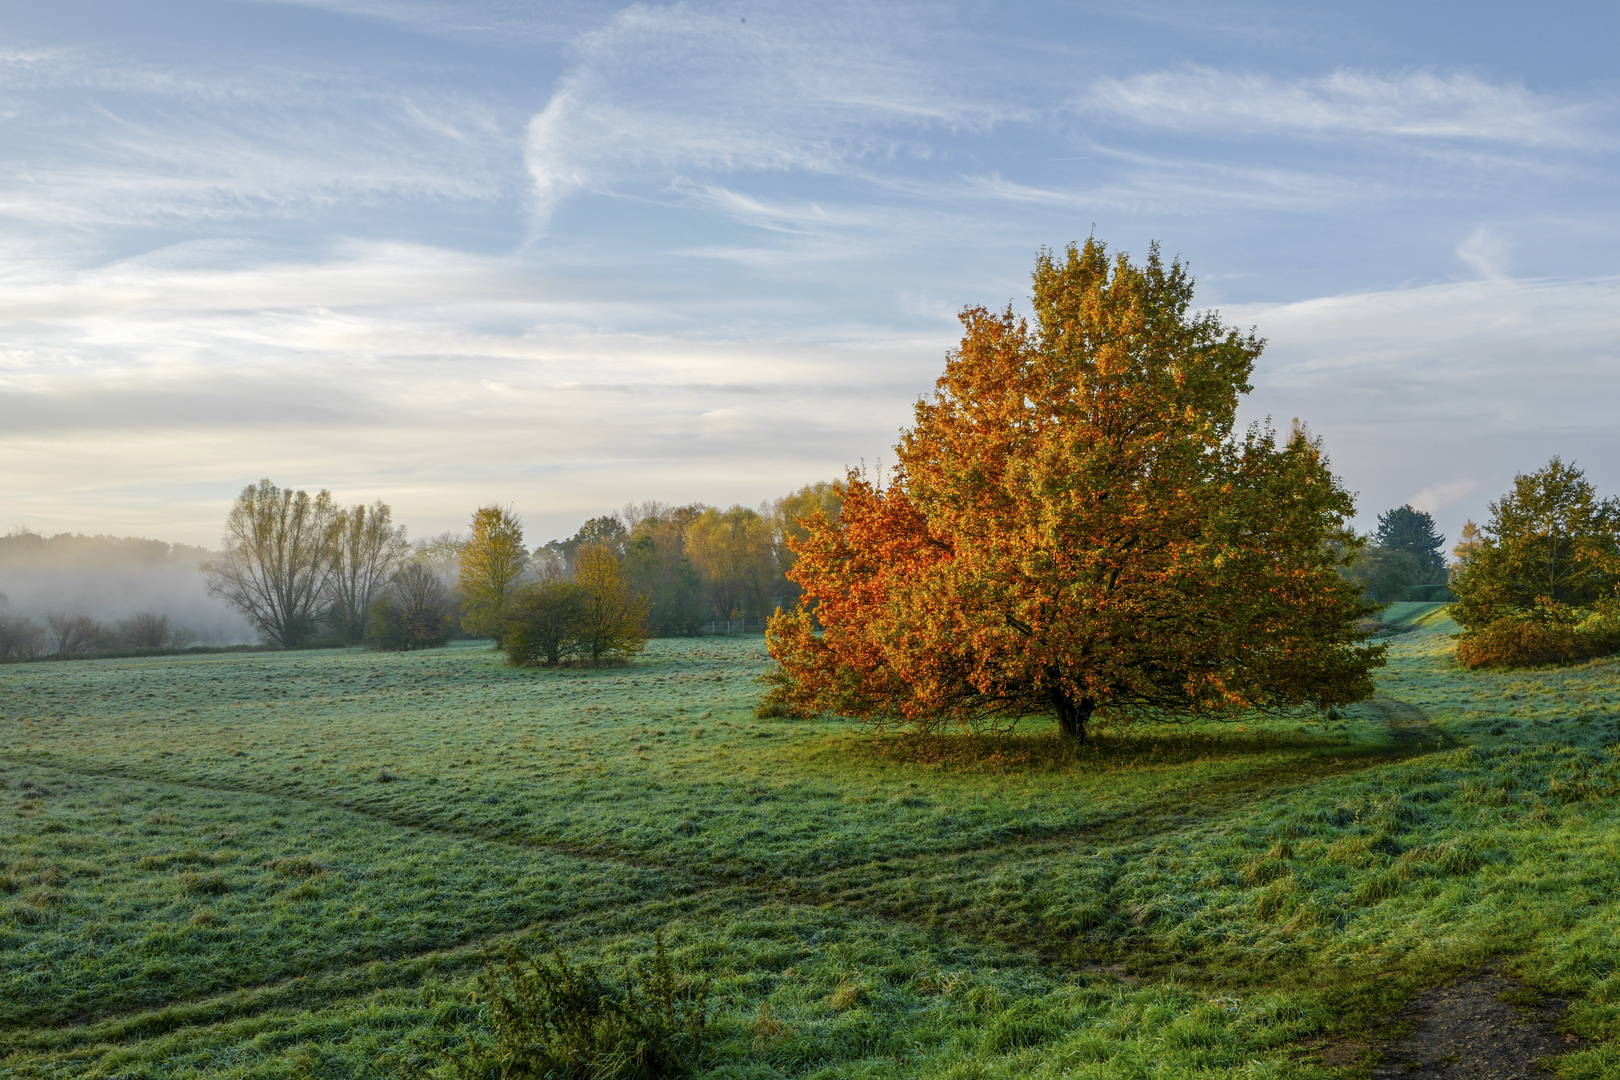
(290, 865)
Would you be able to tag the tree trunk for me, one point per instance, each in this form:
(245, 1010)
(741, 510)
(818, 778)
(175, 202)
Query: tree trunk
(1072, 715)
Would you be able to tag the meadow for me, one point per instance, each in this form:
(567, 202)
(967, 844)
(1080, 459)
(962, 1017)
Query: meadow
(292, 864)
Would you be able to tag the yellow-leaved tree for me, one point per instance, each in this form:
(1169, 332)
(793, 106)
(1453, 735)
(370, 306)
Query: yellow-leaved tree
(492, 559)
(612, 619)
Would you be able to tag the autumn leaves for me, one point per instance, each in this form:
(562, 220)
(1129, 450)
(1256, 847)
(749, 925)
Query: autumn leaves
(1074, 528)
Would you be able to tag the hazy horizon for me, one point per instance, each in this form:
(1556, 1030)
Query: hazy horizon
(451, 254)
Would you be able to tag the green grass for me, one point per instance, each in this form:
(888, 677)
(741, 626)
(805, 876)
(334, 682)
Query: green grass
(291, 864)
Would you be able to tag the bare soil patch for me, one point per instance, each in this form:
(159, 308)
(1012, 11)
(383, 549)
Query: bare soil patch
(1482, 1027)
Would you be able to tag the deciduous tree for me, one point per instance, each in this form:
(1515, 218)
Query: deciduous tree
(787, 515)
(21, 638)
(656, 566)
(733, 551)
(412, 612)
(275, 564)
(1550, 539)
(613, 620)
(1074, 529)
(544, 619)
(72, 635)
(492, 560)
(366, 549)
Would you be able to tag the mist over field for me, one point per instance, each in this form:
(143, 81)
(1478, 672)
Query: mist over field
(114, 578)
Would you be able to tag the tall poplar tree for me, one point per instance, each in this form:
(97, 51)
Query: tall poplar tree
(492, 560)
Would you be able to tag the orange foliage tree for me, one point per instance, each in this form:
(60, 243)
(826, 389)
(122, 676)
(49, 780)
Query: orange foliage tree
(1074, 528)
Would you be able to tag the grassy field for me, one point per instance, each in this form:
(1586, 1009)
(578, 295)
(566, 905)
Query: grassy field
(291, 864)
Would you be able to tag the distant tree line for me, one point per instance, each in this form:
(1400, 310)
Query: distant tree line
(650, 570)
(70, 635)
(304, 570)
(65, 632)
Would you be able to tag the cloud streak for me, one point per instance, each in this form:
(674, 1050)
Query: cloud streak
(1415, 106)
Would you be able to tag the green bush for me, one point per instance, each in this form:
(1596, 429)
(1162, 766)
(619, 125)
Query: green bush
(1549, 633)
(414, 613)
(560, 1022)
(542, 622)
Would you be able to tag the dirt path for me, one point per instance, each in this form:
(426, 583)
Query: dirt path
(1408, 727)
(1466, 1031)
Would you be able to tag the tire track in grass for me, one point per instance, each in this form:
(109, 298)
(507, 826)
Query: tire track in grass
(1409, 727)
(1139, 821)
(1413, 735)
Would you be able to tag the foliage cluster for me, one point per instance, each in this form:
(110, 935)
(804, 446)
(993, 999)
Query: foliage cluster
(1074, 528)
(593, 616)
(293, 563)
(695, 563)
(550, 1020)
(1540, 583)
(67, 635)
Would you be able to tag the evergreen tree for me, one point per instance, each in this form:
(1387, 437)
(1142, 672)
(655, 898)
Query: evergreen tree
(1410, 530)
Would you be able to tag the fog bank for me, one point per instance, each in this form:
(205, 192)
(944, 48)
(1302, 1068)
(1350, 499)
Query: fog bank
(110, 578)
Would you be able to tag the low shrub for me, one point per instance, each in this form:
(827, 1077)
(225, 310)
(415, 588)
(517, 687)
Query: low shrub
(1548, 634)
(414, 612)
(563, 1022)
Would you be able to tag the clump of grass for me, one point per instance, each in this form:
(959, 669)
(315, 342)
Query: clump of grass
(849, 991)
(768, 1028)
(204, 884)
(551, 1019)
(299, 866)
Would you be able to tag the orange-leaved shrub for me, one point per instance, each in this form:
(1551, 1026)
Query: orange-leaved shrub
(1549, 633)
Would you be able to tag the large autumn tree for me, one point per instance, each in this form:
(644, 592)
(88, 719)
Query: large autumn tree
(1074, 528)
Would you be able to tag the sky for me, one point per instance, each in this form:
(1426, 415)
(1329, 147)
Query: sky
(564, 256)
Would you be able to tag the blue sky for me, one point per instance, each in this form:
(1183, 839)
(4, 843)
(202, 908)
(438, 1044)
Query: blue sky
(566, 256)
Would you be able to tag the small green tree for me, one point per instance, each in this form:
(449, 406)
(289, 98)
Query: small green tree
(614, 621)
(1550, 539)
(543, 621)
(491, 560)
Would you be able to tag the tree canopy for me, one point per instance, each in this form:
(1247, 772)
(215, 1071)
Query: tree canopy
(276, 563)
(1073, 527)
(1411, 530)
(1549, 540)
(491, 560)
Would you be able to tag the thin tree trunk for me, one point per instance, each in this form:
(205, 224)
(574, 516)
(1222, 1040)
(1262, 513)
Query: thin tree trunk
(1072, 715)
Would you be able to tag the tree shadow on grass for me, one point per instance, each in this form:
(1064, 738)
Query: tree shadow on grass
(1103, 751)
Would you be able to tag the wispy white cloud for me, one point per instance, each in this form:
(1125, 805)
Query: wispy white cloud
(1420, 105)
(1436, 497)
(1486, 253)
(135, 144)
(1473, 380)
(665, 92)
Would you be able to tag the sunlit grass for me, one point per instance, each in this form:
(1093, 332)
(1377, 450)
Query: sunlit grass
(288, 864)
